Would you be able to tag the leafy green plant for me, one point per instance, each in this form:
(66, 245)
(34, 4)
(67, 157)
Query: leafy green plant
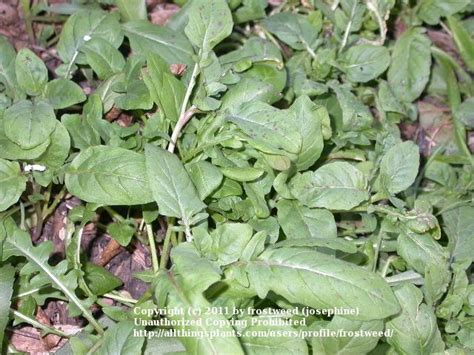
(264, 167)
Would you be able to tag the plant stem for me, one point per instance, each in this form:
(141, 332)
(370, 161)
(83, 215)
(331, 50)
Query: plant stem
(348, 27)
(167, 244)
(119, 298)
(151, 241)
(184, 114)
(25, 7)
(38, 325)
(47, 210)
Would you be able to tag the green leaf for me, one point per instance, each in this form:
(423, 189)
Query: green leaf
(13, 151)
(12, 183)
(205, 176)
(459, 226)
(267, 127)
(31, 73)
(165, 90)
(337, 186)
(355, 115)
(7, 276)
(58, 149)
(62, 93)
(399, 167)
(365, 62)
(179, 298)
(109, 176)
(258, 345)
(309, 121)
(464, 113)
(421, 251)
(146, 38)
(242, 174)
(295, 30)
(346, 345)
(302, 222)
(7, 66)
(229, 241)
(18, 243)
(210, 21)
(120, 339)
(463, 41)
(319, 242)
(104, 59)
(430, 11)
(170, 184)
(132, 9)
(411, 61)
(82, 134)
(122, 232)
(414, 330)
(321, 281)
(29, 124)
(99, 280)
(83, 26)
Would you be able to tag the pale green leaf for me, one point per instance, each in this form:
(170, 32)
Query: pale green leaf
(415, 330)
(31, 73)
(365, 62)
(29, 124)
(298, 221)
(109, 176)
(337, 186)
(411, 61)
(12, 183)
(399, 167)
(322, 281)
(62, 93)
(210, 21)
(170, 184)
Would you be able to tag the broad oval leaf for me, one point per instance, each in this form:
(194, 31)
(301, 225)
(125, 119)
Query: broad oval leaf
(411, 61)
(83, 26)
(109, 176)
(337, 186)
(430, 11)
(210, 21)
(171, 187)
(415, 330)
(170, 45)
(120, 338)
(322, 281)
(29, 124)
(302, 222)
(205, 176)
(62, 93)
(365, 62)
(267, 127)
(12, 183)
(13, 151)
(346, 345)
(258, 345)
(399, 167)
(310, 119)
(31, 73)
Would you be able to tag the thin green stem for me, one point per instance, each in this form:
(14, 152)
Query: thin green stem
(151, 241)
(185, 114)
(124, 300)
(167, 245)
(36, 324)
(25, 7)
